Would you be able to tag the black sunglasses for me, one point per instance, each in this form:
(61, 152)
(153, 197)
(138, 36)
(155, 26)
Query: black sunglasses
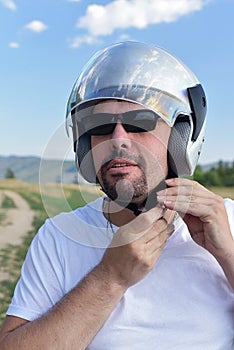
(104, 123)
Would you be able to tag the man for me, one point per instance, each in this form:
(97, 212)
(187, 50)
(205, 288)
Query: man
(150, 265)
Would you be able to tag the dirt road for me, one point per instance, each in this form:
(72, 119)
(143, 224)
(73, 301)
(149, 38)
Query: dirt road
(17, 222)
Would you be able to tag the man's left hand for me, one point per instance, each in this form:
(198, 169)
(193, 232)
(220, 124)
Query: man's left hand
(203, 212)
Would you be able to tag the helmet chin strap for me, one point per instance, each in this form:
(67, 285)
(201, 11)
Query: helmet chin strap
(149, 203)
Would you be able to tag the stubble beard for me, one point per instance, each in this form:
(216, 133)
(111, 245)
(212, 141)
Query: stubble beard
(124, 190)
(127, 188)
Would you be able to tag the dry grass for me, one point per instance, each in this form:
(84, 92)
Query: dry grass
(225, 192)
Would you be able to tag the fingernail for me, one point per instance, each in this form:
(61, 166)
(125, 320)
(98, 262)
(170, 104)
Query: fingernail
(170, 181)
(161, 198)
(161, 193)
(169, 204)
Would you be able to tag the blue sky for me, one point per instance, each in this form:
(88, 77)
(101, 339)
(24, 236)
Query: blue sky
(44, 45)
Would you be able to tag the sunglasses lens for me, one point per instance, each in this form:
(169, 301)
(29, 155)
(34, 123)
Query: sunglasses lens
(104, 123)
(104, 129)
(140, 121)
(95, 124)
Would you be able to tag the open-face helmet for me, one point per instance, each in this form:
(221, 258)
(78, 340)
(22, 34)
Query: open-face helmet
(145, 74)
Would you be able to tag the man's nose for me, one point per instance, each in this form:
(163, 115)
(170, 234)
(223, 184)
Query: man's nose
(120, 137)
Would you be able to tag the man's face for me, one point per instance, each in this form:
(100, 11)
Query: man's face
(128, 164)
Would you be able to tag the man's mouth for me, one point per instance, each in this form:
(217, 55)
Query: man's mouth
(120, 164)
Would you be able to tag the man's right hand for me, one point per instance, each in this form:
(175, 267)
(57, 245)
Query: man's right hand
(137, 246)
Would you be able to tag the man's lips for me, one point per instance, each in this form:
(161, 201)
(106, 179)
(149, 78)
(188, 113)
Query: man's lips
(120, 164)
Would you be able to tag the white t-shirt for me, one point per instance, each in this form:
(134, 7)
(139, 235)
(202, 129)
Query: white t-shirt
(184, 303)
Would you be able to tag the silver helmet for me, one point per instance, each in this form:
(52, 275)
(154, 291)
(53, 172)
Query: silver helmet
(152, 77)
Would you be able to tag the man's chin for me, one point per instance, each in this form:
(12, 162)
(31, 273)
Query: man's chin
(139, 201)
(125, 189)
(126, 198)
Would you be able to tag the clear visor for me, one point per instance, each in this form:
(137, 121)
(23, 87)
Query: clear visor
(136, 72)
(167, 107)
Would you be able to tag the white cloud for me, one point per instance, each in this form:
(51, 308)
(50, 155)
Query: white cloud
(124, 37)
(14, 45)
(79, 40)
(36, 26)
(9, 4)
(122, 14)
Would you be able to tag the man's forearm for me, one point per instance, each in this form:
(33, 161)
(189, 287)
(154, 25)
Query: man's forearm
(74, 321)
(227, 264)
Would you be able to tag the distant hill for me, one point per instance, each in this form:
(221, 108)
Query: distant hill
(31, 168)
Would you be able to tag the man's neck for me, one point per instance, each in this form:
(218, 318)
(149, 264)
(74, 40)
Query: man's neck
(120, 214)
(117, 214)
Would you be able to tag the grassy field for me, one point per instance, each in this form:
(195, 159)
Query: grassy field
(45, 201)
(225, 192)
(51, 201)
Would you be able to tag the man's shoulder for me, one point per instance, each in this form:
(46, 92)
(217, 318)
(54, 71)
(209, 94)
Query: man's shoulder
(86, 212)
(85, 225)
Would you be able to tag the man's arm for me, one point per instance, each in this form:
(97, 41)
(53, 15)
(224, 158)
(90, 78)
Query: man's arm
(77, 318)
(72, 323)
(227, 264)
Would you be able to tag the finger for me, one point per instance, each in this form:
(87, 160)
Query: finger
(182, 199)
(142, 222)
(143, 231)
(196, 206)
(137, 228)
(190, 189)
(163, 224)
(169, 215)
(184, 182)
(155, 230)
(159, 241)
(187, 198)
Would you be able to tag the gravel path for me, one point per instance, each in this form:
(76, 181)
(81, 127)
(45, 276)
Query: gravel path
(16, 223)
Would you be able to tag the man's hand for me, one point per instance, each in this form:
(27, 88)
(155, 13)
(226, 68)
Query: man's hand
(137, 245)
(206, 217)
